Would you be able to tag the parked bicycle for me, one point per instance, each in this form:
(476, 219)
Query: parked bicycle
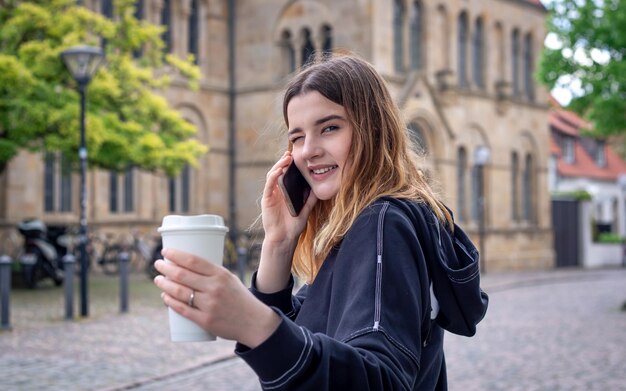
(141, 255)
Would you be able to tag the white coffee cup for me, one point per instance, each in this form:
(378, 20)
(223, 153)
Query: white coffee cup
(203, 236)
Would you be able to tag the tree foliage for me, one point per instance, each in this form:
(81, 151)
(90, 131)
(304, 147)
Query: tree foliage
(128, 121)
(591, 48)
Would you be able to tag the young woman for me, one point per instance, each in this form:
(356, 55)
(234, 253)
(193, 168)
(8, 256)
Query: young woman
(364, 318)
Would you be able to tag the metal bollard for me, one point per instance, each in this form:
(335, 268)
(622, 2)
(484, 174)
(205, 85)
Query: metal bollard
(5, 292)
(123, 259)
(69, 263)
(242, 261)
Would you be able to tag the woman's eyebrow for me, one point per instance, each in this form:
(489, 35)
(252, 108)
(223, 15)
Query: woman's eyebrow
(329, 118)
(318, 122)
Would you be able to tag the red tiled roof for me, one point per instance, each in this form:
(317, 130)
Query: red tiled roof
(557, 122)
(584, 165)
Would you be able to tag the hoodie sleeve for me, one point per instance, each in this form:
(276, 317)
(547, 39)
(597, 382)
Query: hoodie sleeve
(374, 316)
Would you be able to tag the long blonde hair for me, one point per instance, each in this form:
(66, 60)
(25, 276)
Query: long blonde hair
(383, 163)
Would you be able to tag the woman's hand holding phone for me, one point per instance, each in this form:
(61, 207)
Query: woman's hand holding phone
(282, 230)
(279, 224)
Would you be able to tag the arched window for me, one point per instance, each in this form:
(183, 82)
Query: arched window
(416, 36)
(528, 188)
(478, 50)
(416, 135)
(194, 30)
(462, 49)
(443, 30)
(528, 67)
(308, 50)
(514, 186)
(460, 183)
(515, 61)
(167, 23)
(500, 52)
(327, 40)
(398, 35)
(288, 52)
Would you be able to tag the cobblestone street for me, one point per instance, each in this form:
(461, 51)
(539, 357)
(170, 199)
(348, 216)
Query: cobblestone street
(556, 330)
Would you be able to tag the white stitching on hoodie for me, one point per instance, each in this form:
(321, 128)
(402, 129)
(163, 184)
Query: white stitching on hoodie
(379, 265)
(293, 371)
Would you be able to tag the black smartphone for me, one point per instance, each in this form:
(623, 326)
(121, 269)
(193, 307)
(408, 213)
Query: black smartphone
(295, 189)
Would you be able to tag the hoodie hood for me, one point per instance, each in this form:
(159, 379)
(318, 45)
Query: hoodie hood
(453, 267)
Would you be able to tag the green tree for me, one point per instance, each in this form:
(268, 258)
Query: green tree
(591, 37)
(128, 121)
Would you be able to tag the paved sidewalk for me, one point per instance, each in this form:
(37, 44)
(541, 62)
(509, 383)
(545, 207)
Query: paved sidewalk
(133, 351)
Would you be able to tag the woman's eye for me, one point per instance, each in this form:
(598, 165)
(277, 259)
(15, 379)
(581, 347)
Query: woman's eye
(330, 128)
(295, 139)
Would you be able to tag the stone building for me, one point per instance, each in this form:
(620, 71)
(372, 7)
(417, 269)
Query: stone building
(461, 72)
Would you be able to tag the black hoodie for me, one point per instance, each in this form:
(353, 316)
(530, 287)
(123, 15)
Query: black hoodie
(365, 321)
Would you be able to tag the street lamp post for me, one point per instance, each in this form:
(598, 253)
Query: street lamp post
(482, 155)
(83, 62)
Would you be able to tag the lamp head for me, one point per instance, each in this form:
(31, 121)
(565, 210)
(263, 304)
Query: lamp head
(482, 155)
(82, 62)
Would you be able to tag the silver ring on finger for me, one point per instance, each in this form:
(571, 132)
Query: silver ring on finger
(191, 297)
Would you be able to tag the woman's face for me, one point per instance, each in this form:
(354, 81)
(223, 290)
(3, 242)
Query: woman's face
(321, 136)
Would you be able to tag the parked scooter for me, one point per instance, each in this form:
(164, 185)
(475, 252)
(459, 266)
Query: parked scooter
(42, 256)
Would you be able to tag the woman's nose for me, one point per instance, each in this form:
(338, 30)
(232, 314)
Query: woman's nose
(311, 148)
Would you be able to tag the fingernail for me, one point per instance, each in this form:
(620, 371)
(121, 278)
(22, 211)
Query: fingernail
(164, 251)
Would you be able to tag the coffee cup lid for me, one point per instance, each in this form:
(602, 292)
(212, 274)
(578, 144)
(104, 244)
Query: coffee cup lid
(178, 223)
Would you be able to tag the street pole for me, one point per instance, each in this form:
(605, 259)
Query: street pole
(482, 155)
(84, 261)
(481, 217)
(83, 62)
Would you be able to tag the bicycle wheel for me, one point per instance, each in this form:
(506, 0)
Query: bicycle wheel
(109, 261)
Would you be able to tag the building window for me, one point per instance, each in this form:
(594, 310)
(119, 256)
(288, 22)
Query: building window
(139, 16)
(106, 9)
(57, 183)
(514, 188)
(308, 50)
(180, 191)
(122, 191)
(288, 52)
(528, 188)
(194, 25)
(462, 49)
(568, 150)
(416, 36)
(600, 154)
(460, 183)
(129, 189)
(327, 40)
(528, 67)
(113, 192)
(500, 52)
(398, 35)
(167, 24)
(49, 182)
(515, 44)
(478, 50)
